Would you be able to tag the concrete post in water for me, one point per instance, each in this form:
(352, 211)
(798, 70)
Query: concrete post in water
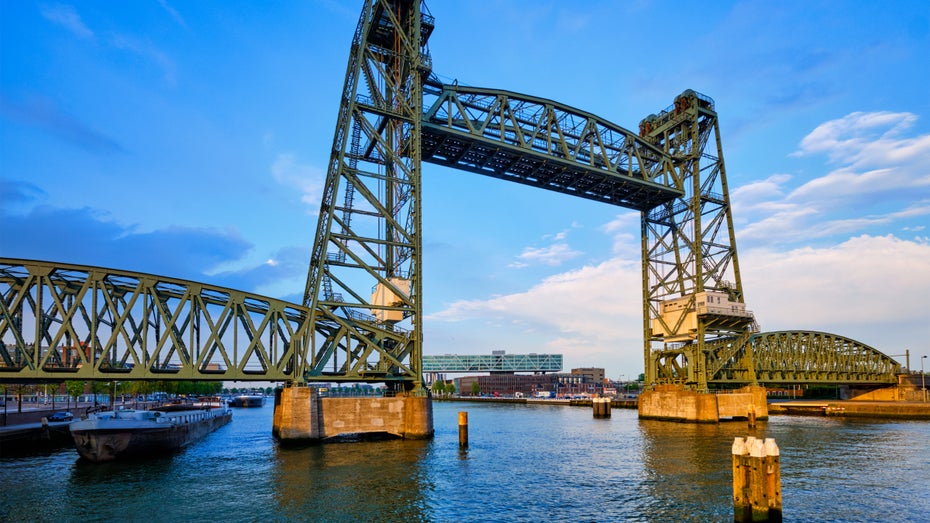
(601, 407)
(463, 430)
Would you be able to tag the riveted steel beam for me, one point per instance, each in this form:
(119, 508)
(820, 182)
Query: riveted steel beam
(63, 321)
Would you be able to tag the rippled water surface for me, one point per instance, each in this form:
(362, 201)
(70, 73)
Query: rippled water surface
(524, 463)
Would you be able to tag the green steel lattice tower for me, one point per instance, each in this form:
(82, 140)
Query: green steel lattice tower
(364, 282)
(692, 292)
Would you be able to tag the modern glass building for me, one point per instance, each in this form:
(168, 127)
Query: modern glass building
(496, 362)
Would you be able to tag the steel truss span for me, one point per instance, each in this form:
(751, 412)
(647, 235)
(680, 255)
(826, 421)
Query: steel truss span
(792, 357)
(544, 144)
(61, 321)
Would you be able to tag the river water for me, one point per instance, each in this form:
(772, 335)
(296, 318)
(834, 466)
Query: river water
(524, 463)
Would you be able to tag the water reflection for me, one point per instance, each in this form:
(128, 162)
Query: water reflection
(524, 463)
(368, 481)
(687, 468)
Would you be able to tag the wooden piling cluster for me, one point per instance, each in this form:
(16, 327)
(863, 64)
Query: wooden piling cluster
(756, 480)
(601, 407)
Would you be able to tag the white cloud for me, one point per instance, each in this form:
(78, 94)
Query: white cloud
(624, 229)
(883, 177)
(859, 288)
(874, 154)
(306, 178)
(67, 17)
(592, 314)
(553, 255)
(856, 136)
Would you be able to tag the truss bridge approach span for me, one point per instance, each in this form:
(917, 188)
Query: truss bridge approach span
(361, 315)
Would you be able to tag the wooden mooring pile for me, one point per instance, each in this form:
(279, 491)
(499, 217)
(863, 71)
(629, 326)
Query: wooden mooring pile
(756, 480)
(601, 407)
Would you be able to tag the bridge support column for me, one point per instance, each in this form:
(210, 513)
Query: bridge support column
(301, 414)
(674, 402)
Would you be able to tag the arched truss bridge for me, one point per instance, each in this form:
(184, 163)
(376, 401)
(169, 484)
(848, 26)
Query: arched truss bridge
(798, 357)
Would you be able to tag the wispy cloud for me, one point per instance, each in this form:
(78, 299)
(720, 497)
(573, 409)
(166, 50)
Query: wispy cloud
(148, 52)
(15, 192)
(44, 113)
(306, 178)
(553, 255)
(87, 236)
(67, 17)
(173, 12)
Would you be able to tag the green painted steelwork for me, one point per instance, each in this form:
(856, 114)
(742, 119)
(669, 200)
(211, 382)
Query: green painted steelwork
(689, 250)
(492, 363)
(361, 317)
(541, 143)
(60, 321)
(798, 357)
(364, 283)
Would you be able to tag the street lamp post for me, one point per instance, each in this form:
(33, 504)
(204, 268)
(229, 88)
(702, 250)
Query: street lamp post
(923, 383)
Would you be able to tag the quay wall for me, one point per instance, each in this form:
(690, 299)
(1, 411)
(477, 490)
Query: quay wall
(734, 405)
(854, 408)
(302, 414)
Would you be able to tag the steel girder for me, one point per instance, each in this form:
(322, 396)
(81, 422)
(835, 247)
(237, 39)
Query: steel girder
(541, 143)
(368, 232)
(688, 245)
(792, 357)
(60, 321)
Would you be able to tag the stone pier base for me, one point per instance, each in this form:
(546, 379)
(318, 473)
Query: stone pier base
(301, 414)
(674, 402)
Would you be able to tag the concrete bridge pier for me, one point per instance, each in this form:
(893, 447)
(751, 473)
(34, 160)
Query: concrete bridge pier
(301, 414)
(674, 402)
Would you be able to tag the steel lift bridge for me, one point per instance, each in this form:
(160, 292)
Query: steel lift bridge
(361, 316)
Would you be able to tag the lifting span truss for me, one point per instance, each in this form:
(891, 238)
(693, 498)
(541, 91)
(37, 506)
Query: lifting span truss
(541, 143)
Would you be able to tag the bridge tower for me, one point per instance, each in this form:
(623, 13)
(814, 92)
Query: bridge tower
(692, 293)
(364, 283)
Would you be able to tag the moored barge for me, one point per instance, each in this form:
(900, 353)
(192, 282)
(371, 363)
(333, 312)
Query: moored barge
(106, 436)
(247, 400)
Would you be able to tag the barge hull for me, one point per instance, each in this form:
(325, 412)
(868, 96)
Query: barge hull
(100, 445)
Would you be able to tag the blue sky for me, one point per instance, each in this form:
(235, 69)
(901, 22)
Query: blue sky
(190, 139)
